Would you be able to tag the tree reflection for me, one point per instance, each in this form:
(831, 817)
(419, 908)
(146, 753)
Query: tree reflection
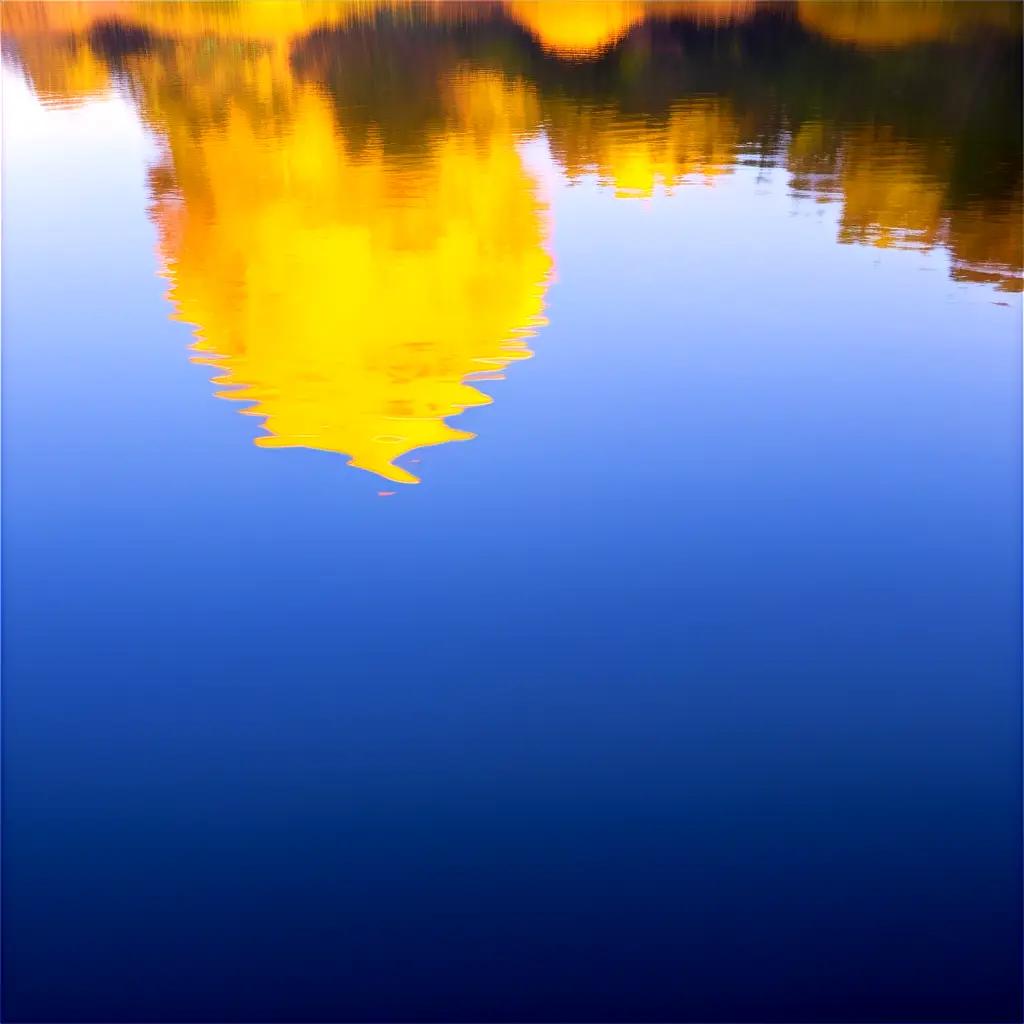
(344, 211)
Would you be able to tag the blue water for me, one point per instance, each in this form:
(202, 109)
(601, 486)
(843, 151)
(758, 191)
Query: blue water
(688, 690)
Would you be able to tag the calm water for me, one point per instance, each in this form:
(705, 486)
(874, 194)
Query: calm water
(512, 512)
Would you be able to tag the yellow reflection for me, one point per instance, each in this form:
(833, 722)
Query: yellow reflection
(987, 244)
(577, 29)
(64, 72)
(258, 20)
(55, 55)
(585, 29)
(636, 156)
(351, 298)
(39, 17)
(877, 23)
(58, 53)
(894, 195)
(891, 197)
(351, 301)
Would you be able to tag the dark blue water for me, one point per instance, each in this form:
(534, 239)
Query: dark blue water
(689, 690)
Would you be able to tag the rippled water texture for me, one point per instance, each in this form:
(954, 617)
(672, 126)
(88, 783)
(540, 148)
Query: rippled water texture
(689, 688)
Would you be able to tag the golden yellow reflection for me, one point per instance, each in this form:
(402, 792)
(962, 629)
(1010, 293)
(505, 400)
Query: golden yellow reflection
(890, 198)
(894, 195)
(882, 23)
(578, 29)
(253, 20)
(585, 29)
(54, 52)
(635, 156)
(353, 231)
(985, 241)
(352, 300)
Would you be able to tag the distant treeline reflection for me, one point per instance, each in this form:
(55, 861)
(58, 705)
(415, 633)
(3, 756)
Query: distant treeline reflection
(354, 170)
(906, 112)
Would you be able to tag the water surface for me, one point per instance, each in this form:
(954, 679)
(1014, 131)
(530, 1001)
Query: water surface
(512, 512)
